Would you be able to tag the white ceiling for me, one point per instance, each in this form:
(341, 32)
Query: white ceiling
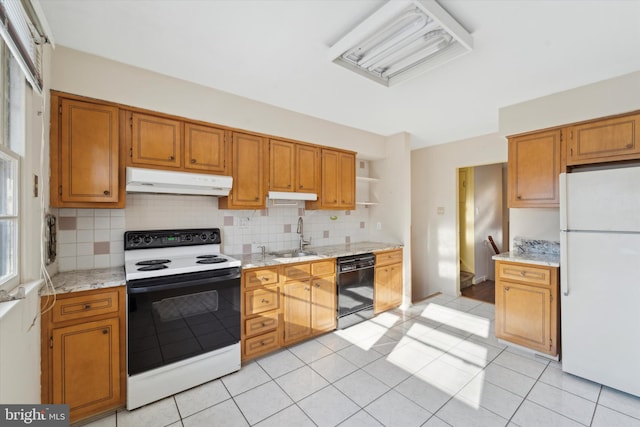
(275, 51)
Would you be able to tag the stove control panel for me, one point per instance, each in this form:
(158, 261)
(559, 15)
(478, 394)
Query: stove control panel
(170, 238)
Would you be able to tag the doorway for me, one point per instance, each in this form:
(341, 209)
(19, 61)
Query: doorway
(482, 216)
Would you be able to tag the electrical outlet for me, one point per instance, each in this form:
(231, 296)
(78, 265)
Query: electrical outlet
(378, 226)
(440, 210)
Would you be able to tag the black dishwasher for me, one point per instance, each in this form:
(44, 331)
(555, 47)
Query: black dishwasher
(355, 289)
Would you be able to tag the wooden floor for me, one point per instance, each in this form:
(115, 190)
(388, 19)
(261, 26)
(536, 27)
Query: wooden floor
(485, 291)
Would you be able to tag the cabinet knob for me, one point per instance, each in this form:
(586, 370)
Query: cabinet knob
(629, 145)
(317, 285)
(193, 161)
(518, 197)
(288, 185)
(522, 273)
(256, 199)
(171, 158)
(105, 331)
(507, 288)
(262, 343)
(87, 306)
(106, 192)
(263, 278)
(264, 324)
(300, 186)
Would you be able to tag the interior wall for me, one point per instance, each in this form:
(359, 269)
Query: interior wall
(607, 97)
(393, 194)
(487, 218)
(434, 185)
(92, 76)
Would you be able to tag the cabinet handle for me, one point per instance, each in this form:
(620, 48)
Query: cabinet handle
(171, 158)
(300, 186)
(522, 273)
(288, 185)
(317, 285)
(87, 306)
(507, 288)
(264, 279)
(629, 145)
(264, 324)
(256, 199)
(106, 192)
(193, 160)
(105, 331)
(265, 301)
(306, 288)
(518, 197)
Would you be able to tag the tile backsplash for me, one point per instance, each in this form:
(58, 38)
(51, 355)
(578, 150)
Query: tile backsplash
(93, 238)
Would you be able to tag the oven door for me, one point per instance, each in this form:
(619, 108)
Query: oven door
(355, 290)
(173, 318)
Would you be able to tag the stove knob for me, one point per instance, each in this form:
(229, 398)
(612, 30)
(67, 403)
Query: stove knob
(135, 240)
(147, 239)
(213, 236)
(203, 236)
(188, 237)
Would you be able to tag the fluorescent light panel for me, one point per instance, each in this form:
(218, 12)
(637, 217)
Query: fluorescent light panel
(401, 40)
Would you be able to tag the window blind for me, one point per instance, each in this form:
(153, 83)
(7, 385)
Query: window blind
(23, 39)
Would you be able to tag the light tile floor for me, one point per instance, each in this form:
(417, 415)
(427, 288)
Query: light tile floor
(436, 364)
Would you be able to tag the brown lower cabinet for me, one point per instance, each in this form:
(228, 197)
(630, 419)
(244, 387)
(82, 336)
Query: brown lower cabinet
(388, 280)
(527, 309)
(83, 352)
(285, 304)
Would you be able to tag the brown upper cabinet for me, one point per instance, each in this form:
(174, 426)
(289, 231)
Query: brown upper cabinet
(87, 169)
(155, 141)
(338, 181)
(534, 169)
(165, 143)
(605, 140)
(248, 169)
(293, 167)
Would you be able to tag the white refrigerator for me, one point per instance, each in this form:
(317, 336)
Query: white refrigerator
(600, 276)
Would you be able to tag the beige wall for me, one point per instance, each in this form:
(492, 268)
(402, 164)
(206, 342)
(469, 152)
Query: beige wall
(393, 192)
(434, 184)
(83, 74)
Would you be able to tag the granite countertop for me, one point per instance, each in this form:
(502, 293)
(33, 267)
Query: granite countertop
(549, 260)
(85, 280)
(322, 252)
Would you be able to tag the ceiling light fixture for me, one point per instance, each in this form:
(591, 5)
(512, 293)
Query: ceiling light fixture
(401, 40)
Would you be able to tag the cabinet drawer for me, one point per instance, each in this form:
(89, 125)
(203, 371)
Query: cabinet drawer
(260, 344)
(389, 257)
(323, 268)
(84, 306)
(261, 300)
(259, 277)
(261, 324)
(296, 272)
(525, 274)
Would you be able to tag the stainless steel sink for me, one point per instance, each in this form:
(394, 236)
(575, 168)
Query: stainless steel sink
(293, 254)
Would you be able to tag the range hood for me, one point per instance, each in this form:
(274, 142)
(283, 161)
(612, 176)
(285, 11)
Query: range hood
(141, 180)
(290, 195)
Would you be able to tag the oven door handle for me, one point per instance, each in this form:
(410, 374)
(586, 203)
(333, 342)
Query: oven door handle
(356, 269)
(141, 289)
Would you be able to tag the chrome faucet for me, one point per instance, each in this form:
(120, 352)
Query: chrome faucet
(300, 231)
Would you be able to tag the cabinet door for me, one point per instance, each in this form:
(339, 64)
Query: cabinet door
(330, 183)
(604, 140)
(323, 304)
(523, 315)
(155, 141)
(88, 162)
(382, 289)
(282, 165)
(297, 311)
(248, 170)
(86, 367)
(395, 286)
(534, 169)
(307, 169)
(205, 148)
(347, 181)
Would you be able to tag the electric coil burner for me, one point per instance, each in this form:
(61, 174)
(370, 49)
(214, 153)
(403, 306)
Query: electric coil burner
(183, 312)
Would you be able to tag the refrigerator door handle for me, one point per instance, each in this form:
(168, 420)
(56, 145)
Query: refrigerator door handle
(563, 201)
(564, 271)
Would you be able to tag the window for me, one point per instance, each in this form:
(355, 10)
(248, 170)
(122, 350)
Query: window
(9, 175)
